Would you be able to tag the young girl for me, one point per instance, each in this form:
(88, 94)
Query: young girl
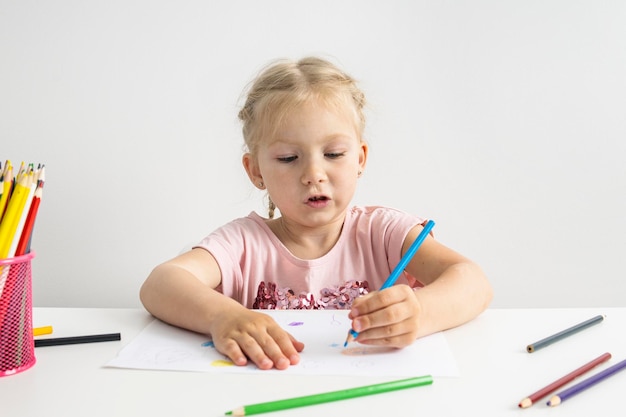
(303, 124)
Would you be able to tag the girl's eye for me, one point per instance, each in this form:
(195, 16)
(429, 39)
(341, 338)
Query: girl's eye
(286, 159)
(335, 155)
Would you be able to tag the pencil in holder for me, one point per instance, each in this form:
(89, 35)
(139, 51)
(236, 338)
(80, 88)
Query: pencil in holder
(17, 346)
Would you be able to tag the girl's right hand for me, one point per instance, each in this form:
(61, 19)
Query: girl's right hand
(243, 334)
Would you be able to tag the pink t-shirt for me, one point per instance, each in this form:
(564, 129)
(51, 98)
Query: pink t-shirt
(260, 272)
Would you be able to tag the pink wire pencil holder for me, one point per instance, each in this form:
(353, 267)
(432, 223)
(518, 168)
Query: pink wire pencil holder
(17, 346)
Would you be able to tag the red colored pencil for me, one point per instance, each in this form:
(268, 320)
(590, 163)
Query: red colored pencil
(528, 401)
(29, 224)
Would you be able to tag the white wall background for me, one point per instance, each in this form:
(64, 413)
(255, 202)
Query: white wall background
(505, 121)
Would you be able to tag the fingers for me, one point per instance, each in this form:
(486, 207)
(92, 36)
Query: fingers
(386, 317)
(398, 336)
(261, 341)
(231, 349)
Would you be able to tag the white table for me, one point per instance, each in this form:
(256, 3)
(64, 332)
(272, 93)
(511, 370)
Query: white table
(496, 373)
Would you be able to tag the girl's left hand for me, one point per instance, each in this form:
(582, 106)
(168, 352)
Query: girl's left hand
(388, 317)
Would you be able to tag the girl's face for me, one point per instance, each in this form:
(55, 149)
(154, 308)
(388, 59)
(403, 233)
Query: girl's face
(311, 165)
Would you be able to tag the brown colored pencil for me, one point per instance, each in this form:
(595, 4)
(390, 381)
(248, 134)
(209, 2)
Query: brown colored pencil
(528, 401)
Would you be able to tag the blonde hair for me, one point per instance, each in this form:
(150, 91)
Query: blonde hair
(284, 85)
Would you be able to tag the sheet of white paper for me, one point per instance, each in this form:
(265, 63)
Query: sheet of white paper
(163, 347)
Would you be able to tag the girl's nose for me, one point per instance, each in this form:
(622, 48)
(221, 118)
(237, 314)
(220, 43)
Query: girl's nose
(313, 174)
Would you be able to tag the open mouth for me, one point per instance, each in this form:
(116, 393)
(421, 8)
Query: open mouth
(318, 198)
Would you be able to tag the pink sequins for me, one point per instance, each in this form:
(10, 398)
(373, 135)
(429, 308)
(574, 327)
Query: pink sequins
(341, 298)
(335, 298)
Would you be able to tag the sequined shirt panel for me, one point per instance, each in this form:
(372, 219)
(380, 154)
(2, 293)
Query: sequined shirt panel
(260, 272)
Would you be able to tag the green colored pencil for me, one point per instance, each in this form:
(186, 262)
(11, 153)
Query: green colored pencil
(326, 397)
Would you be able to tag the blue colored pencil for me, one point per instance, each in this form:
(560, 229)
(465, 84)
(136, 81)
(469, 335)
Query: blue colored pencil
(395, 274)
(587, 383)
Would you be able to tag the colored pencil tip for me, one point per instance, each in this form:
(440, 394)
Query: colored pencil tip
(554, 401)
(351, 335)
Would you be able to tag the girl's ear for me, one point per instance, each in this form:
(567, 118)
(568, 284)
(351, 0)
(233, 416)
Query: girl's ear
(252, 169)
(363, 156)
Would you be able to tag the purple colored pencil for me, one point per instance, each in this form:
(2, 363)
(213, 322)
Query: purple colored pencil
(587, 383)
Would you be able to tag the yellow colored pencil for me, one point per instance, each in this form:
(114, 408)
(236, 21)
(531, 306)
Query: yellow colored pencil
(39, 331)
(3, 197)
(11, 218)
(7, 184)
(21, 221)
